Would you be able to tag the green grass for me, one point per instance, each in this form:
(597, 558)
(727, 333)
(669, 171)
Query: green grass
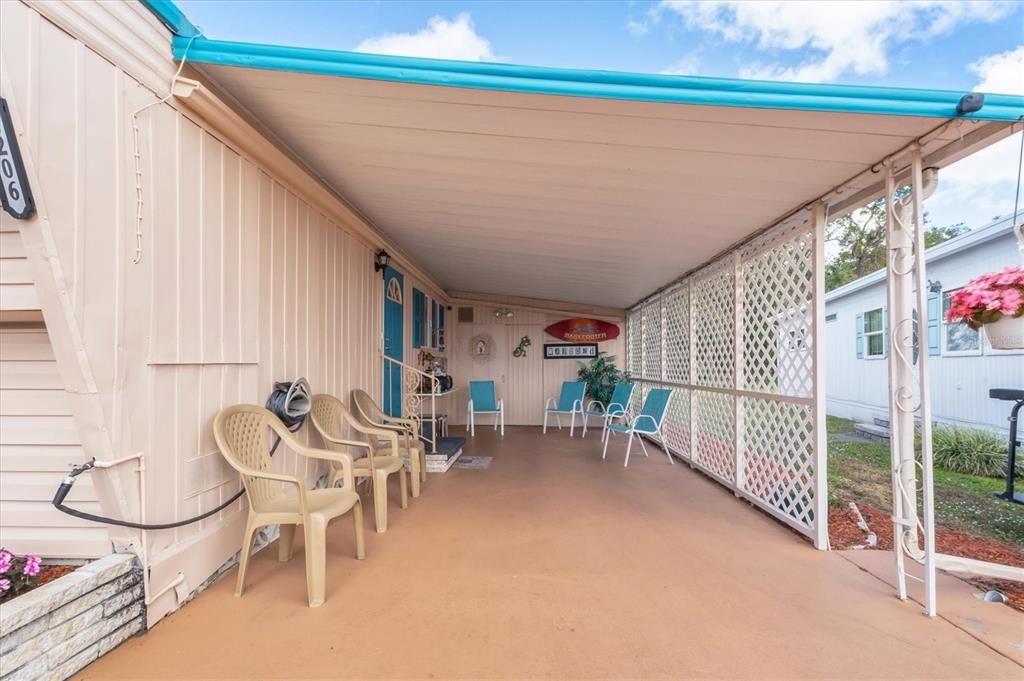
(861, 470)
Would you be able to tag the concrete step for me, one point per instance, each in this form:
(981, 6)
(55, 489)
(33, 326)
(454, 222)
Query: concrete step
(872, 431)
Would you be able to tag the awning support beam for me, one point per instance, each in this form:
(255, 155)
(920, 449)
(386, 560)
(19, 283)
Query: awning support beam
(906, 294)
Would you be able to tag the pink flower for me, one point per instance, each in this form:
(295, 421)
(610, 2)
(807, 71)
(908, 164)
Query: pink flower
(5, 561)
(32, 566)
(5, 585)
(988, 298)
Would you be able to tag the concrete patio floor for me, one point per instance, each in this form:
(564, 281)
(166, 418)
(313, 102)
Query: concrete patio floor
(555, 564)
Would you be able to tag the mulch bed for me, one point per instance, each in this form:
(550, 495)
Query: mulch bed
(48, 573)
(844, 533)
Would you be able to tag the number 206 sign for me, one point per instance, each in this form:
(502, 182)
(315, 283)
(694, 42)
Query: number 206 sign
(16, 195)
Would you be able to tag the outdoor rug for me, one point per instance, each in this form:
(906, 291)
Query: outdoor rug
(474, 463)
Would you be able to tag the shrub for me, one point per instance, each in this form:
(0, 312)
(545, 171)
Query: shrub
(971, 451)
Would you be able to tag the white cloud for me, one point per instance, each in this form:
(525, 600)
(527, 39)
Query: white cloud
(441, 39)
(638, 27)
(976, 189)
(845, 35)
(687, 66)
(1002, 73)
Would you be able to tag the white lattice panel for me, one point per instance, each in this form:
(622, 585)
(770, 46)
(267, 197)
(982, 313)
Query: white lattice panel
(639, 393)
(634, 359)
(713, 327)
(652, 340)
(714, 446)
(799, 223)
(676, 338)
(777, 318)
(776, 338)
(677, 423)
(778, 456)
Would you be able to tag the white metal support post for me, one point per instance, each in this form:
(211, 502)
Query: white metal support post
(898, 514)
(920, 189)
(737, 371)
(819, 220)
(908, 389)
(691, 371)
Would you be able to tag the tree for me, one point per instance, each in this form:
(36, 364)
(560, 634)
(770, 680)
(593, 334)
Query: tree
(859, 239)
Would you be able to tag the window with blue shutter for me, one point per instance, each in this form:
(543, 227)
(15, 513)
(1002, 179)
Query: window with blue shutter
(440, 326)
(419, 321)
(434, 325)
(872, 334)
(885, 332)
(933, 323)
(860, 336)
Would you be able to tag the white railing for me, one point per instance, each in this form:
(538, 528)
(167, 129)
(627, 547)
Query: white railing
(738, 341)
(417, 386)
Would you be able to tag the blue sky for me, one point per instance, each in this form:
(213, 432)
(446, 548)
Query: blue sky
(924, 43)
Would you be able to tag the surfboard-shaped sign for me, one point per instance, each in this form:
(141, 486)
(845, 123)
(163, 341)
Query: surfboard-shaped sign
(583, 330)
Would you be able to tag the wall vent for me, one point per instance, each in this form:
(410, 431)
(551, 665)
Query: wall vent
(465, 315)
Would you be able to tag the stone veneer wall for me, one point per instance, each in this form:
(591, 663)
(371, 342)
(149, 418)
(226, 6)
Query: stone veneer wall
(54, 630)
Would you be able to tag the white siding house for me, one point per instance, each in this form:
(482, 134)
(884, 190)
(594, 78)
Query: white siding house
(962, 365)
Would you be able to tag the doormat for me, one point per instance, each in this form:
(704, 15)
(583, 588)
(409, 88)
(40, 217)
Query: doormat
(473, 463)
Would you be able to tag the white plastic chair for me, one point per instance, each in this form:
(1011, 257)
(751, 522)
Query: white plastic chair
(241, 434)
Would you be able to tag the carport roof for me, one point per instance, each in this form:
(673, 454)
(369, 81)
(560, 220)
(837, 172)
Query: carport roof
(584, 186)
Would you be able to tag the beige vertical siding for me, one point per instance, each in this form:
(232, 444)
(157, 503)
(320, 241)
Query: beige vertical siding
(38, 439)
(241, 284)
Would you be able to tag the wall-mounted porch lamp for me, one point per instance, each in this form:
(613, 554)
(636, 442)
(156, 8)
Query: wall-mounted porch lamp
(380, 261)
(934, 286)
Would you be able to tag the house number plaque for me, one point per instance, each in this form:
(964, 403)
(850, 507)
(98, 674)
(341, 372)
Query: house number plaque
(16, 195)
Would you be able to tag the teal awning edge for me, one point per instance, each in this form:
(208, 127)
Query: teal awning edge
(576, 82)
(172, 17)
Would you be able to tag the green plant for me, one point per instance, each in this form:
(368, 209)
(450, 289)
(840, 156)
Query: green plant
(601, 376)
(971, 451)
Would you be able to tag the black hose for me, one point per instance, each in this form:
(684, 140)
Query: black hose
(68, 482)
(278, 403)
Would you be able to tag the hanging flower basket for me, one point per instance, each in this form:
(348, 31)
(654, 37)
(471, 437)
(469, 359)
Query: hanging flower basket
(995, 301)
(1007, 333)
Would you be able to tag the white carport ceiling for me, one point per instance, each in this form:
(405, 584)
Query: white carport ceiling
(579, 199)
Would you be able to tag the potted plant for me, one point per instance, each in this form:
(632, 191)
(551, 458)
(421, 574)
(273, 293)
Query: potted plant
(995, 301)
(601, 376)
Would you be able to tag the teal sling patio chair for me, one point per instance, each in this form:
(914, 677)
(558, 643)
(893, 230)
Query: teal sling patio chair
(647, 422)
(483, 400)
(570, 401)
(615, 409)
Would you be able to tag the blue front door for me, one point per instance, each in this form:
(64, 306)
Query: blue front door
(394, 340)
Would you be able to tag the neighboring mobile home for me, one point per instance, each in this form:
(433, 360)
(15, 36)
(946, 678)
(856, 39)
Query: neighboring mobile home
(963, 364)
